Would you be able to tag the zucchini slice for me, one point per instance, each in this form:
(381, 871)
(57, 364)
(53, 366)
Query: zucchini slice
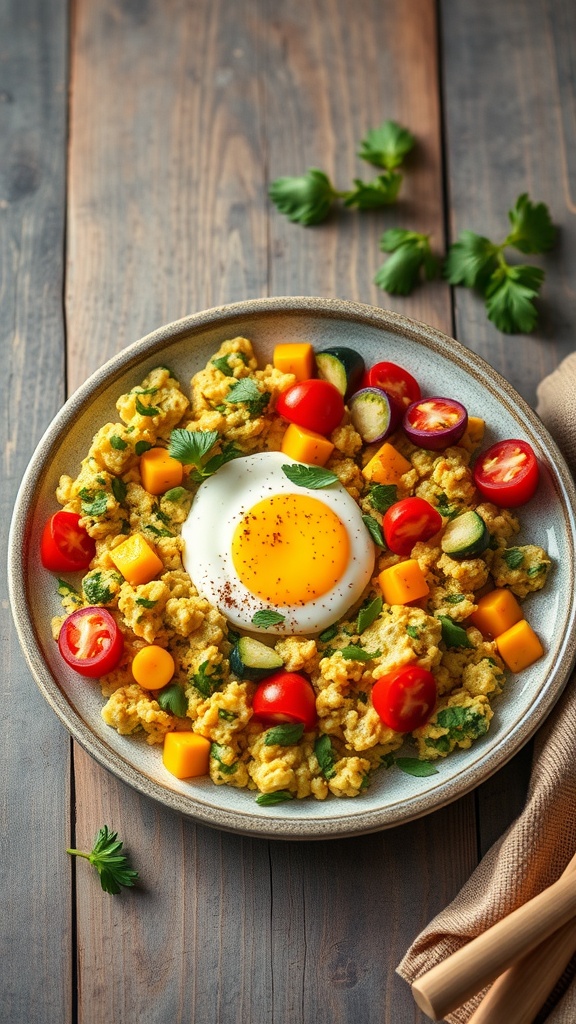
(342, 367)
(466, 536)
(372, 414)
(251, 659)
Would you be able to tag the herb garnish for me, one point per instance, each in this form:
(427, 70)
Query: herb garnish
(173, 699)
(355, 653)
(278, 797)
(375, 530)
(111, 865)
(513, 557)
(285, 735)
(267, 617)
(382, 496)
(410, 255)
(118, 443)
(325, 756)
(313, 477)
(247, 391)
(192, 448)
(368, 614)
(452, 634)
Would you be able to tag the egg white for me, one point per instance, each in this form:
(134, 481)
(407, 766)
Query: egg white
(221, 502)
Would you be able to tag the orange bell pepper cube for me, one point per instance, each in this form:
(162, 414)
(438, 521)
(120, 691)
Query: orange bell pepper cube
(403, 582)
(496, 612)
(186, 754)
(519, 646)
(159, 471)
(297, 358)
(386, 466)
(306, 446)
(137, 560)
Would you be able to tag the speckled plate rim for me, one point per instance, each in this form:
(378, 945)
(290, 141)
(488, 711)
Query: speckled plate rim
(276, 825)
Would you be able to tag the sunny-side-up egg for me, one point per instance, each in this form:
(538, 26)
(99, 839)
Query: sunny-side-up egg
(255, 541)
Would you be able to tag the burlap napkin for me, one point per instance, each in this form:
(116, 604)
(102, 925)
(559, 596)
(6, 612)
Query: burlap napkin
(536, 848)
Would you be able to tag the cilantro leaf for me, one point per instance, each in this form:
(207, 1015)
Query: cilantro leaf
(142, 446)
(374, 529)
(387, 145)
(414, 766)
(111, 865)
(305, 199)
(410, 256)
(190, 447)
(509, 298)
(329, 633)
(175, 493)
(228, 452)
(452, 634)
(285, 735)
(369, 614)
(313, 477)
(96, 589)
(221, 363)
(247, 391)
(119, 489)
(471, 260)
(532, 227)
(173, 699)
(325, 756)
(206, 683)
(382, 496)
(218, 752)
(369, 195)
(513, 557)
(94, 505)
(267, 617)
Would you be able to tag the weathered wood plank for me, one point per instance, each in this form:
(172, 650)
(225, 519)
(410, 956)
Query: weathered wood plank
(168, 212)
(35, 908)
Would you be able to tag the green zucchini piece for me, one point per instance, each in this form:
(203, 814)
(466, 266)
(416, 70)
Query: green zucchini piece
(466, 536)
(342, 367)
(251, 659)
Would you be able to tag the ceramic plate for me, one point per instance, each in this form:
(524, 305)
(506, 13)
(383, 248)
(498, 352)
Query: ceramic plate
(442, 366)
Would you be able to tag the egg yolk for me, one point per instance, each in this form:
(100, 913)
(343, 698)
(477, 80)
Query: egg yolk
(290, 549)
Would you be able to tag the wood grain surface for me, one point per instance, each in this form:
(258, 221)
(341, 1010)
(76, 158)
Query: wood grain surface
(180, 114)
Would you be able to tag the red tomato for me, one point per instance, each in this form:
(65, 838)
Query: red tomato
(507, 473)
(408, 521)
(313, 404)
(405, 698)
(435, 423)
(90, 642)
(395, 381)
(286, 697)
(65, 545)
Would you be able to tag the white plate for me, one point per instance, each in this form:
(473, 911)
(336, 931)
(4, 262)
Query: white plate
(442, 366)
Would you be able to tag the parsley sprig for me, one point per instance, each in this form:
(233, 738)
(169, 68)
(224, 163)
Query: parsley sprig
(308, 198)
(110, 863)
(411, 257)
(509, 289)
(196, 448)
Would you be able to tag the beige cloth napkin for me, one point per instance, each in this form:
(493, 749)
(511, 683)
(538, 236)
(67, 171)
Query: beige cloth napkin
(536, 848)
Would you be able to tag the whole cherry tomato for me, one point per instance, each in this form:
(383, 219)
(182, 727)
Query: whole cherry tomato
(65, 545)
(395, 381)
(409, 521)
(313, 404)
(286, 697)
(507, 473)
(405, 698)
(435, 423)
(90, 642)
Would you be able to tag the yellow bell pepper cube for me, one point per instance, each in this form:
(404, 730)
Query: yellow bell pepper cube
(297, 358)
(496, 612)
(159, 471)
(474, 434)
(306, 446)
(403, 582)
(386, 466)
(186, 754)
(519, 646)
(136, 559)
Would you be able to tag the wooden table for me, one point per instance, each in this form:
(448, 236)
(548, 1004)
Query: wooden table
(138, 139)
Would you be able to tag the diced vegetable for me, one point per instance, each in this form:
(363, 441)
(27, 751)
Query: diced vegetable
(153, 667)
(387, 466)
(408, 521)
(186, 754)
(314, 404)
(296, 358)
(435, 423)
(136, 559)
(65, 545)
(474, 433)
(466, 536)
(496, 612)
(306, 446)
(403, 582)
(159, 471)
(507, 473)
(342, 366)
(373, 414)
(519, 646)
(90, 642)
(251, 659)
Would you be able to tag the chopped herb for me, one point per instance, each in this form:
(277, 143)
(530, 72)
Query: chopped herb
(329, 633)
(266, 618)
(414, 766)
(96, 506)
(454, 598)
(410, 255)
(285, 735)
(382, 496)
(119, 489)
(124, 527)
(226, 716)
(375, 530)
(387, 145)
(206, 683)
(97, 589)
(111, 865)
(355, 653)
(66, 589)
(173, 699)
(314, 477)
(175, 493)
(190, 447)
(362, 697)
(513, 557)
(366, 780)
(325, 756)
(248, 392)
(158, 531)
(145, 602)
(369, 614)
(229, 451)
(222, 364)
(452, 634)
(118, 443)
(461, 722)
(413, 632)
(144, 391)
(535, 570)
(146, 410)
(218, 752)
(142, 446)
(269, 799)
(445, 508)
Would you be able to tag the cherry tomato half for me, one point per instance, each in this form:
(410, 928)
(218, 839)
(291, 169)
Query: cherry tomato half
(90, 642)
(507, 473)
(435, 423)
(405, 698)
(395, 381)
(408, 521)
(65, 545)
(286, 697)
(313, 404)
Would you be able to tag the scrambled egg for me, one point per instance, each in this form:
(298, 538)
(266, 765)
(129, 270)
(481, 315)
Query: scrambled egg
(351, 741)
